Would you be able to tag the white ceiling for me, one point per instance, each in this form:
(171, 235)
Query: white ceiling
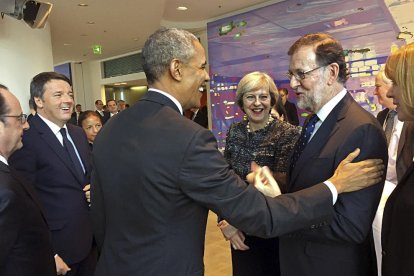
(122, 26)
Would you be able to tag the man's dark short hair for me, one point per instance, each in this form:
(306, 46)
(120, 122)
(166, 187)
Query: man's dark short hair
(38, 82)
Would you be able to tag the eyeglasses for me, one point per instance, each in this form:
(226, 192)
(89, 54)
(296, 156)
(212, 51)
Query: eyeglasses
(299, 75)
(22, 117)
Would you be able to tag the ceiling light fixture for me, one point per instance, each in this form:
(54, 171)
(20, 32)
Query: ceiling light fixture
(83, 5)
(90, 22)
(182, 8)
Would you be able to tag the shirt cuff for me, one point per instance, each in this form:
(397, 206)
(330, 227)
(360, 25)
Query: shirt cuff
(333, 191)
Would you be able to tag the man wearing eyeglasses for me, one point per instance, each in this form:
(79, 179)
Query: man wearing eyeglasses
(55, 159)
(337, 125)
(25, 240)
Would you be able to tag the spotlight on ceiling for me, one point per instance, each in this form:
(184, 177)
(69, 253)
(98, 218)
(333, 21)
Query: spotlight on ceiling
(34, 13)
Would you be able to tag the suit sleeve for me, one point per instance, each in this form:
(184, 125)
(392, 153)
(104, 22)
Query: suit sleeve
(206, 178)
(354, 212)
(24, 161)
(10, 222)
(97, 210)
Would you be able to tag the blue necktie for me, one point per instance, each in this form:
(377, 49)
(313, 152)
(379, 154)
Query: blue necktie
(72, 154)
(303, 139)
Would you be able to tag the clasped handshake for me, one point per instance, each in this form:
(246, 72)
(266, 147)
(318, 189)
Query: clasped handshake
(348, 176)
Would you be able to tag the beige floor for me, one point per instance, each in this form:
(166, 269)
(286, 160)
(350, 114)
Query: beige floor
(217, 259)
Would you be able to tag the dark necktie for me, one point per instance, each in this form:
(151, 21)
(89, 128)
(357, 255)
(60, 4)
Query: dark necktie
(389, 125)
(304, 139)
(72, 154)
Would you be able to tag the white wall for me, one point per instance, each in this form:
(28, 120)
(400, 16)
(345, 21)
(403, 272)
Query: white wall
(24, 52)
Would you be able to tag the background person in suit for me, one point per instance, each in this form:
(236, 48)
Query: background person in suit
(398, 219)
(200, 116)
(112, 107)
(59, 169)
(75, 115)
(290, 108)
(25, 241)
(342, 245)
(100, 110)
(153, 221)
(394, 127)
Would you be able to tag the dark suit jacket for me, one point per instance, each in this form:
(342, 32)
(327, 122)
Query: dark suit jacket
(150, 208)
(340, 246)
(25, 242)
(45, 164)
(382, 115)
(73, 119)
(292, 113)
(398, 229)
(105, 117)
(405, 151)
(201, 117)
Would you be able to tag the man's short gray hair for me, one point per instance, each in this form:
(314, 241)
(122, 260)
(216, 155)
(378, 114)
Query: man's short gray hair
(162, 47)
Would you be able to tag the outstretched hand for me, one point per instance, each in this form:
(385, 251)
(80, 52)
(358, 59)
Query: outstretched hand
(350, 177)
(262, 179)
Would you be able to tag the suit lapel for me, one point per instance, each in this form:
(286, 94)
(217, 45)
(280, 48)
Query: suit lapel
(321, 137)
(28, 189)
(50, 138)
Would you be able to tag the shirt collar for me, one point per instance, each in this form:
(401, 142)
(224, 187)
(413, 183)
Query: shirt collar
(2, 159)
(330, 105)
(175, 101)
(54, 127)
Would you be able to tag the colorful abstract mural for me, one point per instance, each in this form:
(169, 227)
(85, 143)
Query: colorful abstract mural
(259, 40)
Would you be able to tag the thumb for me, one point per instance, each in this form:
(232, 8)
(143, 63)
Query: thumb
(351, 156)
(254, 167)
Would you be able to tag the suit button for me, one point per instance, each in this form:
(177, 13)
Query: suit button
(383, 253)
(313, 226)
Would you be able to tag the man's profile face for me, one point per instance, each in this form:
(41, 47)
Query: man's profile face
(283, 96)
(99, 105)
(381, 89)
(194, 78)
(311, 91)
(57, 102)
(12, 129)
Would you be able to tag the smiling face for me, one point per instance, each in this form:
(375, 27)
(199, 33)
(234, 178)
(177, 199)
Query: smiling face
(313, 91)
(56, 103)
(381, 88)
(403, 110)
(194, 77)
(256, 105)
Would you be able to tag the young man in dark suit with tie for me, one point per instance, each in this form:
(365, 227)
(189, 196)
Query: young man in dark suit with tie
(55, 159)
(339, 246)
(25, 241)
(152, 220)
(99, 110)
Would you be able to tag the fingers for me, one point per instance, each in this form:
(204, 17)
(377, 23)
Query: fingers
(254, 166)
(351, 156)
(237, 241)
(87, 187)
